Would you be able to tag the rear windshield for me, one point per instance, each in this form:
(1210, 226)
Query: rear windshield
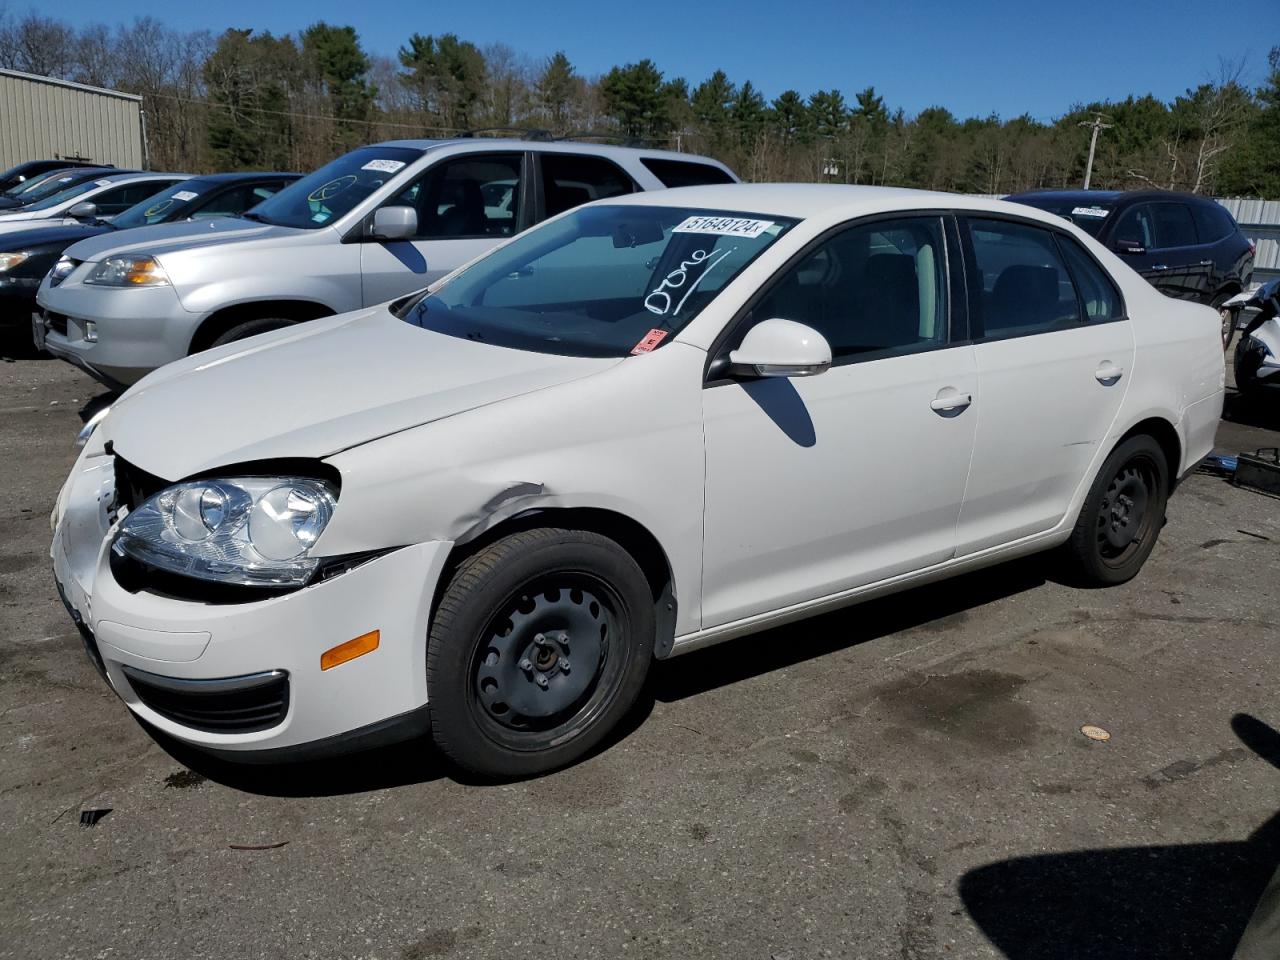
(602, 281)
(1088, 215)
(334, 190)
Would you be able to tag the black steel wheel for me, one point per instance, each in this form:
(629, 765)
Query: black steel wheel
(1122, 513)
(540, 644)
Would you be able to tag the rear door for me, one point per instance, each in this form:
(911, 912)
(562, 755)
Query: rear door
(466, 205)
(1054, 352)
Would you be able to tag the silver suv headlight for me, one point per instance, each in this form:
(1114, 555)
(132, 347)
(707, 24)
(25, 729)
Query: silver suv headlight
(125, 271)
(251, 531)
(62, 269)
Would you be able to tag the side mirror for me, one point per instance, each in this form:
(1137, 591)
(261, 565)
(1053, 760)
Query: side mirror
(1128, 247)
(394, 223)
(781, 348)
(84, 210)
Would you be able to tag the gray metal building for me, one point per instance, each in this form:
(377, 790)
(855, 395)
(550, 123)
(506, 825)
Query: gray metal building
(43, 118)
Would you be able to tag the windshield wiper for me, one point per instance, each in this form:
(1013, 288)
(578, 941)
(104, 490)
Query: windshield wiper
(255, 217)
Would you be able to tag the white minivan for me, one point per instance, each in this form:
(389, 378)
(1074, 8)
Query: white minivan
(375, 224)
(651, 424)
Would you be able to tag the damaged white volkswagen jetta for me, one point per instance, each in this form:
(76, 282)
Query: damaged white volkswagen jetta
(651, 424)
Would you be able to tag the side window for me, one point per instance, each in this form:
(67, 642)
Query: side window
(569, 180)
(684, 173)
(1174, 227)
(1098, 294)
(1136, 226)
(234, 201)
(120, 199)
(1212, 222)
(471, 196)
(876, 289)
(1025, 285)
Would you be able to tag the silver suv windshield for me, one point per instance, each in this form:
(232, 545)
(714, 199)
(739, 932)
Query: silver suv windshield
(602, 281)
(335, 189)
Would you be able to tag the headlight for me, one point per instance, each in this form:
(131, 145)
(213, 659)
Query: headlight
(252, 531)
(61, 270)
(128, 272)
(10, 260)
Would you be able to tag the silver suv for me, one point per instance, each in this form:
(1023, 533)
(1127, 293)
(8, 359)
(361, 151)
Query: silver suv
(373, 225)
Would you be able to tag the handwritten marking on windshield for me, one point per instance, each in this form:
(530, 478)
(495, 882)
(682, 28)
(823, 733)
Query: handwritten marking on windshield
(659, 300)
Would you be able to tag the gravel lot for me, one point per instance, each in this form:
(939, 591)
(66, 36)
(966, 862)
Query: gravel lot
(902, 779)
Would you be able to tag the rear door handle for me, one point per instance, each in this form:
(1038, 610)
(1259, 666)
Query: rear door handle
(954, 403)
(1206, 263)
(1108, 373)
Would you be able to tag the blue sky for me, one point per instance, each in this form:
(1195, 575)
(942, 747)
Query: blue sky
(973, 57)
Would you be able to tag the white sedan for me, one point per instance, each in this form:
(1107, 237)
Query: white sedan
(649, 425)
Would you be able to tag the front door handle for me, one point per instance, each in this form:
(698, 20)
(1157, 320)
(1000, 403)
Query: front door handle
(1108, 373)
(949, 402)
(1206, 263)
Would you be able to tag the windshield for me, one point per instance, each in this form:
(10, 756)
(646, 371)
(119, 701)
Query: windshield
(172, 203)
(334, 190)
(45, 186)
(69, 193)
(1088, 215)
(600, 282)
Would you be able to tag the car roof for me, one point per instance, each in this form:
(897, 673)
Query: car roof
(240, 176)
(141, 175)
(826, 200)
(1109, 196)
(554, 146)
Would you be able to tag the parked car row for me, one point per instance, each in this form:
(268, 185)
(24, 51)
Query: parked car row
(545, 441)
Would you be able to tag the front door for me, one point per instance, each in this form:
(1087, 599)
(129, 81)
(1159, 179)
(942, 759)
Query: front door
(818, 485)
(466, 206)
(1054, 355)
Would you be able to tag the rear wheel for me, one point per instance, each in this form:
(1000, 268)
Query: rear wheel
(1122, 514)
(539, 646)
(1227, 317)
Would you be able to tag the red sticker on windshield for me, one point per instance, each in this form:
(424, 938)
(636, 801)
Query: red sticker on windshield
(649, 341)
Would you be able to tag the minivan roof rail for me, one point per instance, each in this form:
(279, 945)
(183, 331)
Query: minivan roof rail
(527, 133)
(599, 135)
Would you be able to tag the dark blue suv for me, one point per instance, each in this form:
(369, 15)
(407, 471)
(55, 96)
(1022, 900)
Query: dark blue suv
(1185, 245)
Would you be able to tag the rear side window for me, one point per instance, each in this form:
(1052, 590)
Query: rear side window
(1174, 226)
(1098, 294)
(570, 180)
(684, 173)
(1025, 286)
(1212, 222)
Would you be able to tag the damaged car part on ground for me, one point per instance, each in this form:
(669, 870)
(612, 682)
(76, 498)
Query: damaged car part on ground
(652, 424)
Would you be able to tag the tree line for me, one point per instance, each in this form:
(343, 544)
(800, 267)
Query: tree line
(250, 100)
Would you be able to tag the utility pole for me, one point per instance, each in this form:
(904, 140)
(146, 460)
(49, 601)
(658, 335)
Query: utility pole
(1097, 125)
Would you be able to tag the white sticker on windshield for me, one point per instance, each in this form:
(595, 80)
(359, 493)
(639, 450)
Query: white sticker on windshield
(185, 195)
(103, 183)
(386, 166)
(1089, 211)
(724, 226)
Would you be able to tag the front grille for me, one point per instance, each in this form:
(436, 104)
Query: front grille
(230, 705)
(134, 485)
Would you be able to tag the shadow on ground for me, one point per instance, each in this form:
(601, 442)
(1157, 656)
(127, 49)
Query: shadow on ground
(1192, 900)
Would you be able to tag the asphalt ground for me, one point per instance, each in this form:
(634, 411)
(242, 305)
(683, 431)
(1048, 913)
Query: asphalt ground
(904, 779)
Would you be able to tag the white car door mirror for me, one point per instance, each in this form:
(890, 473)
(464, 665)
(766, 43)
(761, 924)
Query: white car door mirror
(394, 223)
(781, 348)
(84, 210)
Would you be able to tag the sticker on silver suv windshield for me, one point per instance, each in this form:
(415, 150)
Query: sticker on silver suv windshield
(724, 226)
(1089, 211)
(386, 166)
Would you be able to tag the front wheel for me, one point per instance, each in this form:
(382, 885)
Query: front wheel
(1122, 514)
(250, 328)
(540, 644)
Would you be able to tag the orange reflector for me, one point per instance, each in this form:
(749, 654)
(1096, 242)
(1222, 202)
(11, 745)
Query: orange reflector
(365, 643)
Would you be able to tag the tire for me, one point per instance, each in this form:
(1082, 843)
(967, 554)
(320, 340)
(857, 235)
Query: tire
(250, 328)
(1113, 536)
(1228, 319)
(539, 646)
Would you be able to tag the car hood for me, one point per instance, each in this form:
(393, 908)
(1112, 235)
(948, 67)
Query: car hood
(35, 235)
(314, 390)
(162, 238)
